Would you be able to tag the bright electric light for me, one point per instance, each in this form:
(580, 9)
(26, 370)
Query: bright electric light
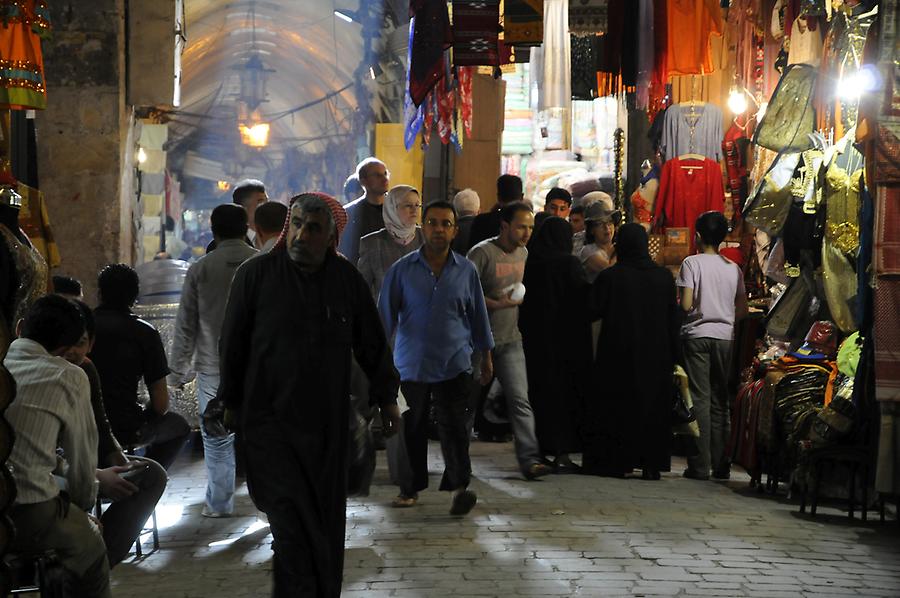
(737, 101)
(223, 185)
(141, 155)
(343, 16)
(256, 135)
(865, 80)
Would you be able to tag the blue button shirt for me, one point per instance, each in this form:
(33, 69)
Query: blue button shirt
(439, 322)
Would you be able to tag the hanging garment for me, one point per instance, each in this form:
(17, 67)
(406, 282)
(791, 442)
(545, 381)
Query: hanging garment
(476, 26)
(790, 117)
(588, 16)
(887, 230)
(555, 57)
(618, 63)
(690, 25)
(22, 83)
(35, 223)
(842, 58)
(692, 129)
(643, 200)
(768, 208)
(688, 188)
(887, 339)
(523, 22)
(430, 33)
(645, 57)
(659, 95)
(584, 66)
(806, 42)
(30, 274)
(735, 146)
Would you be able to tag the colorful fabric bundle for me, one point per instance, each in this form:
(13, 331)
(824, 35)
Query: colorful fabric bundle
(523, 22)
(476, 28)
(448, 107)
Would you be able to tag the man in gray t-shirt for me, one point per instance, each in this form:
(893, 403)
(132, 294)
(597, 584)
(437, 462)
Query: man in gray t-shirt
(500, 262)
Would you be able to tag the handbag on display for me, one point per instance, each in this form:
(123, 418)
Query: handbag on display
(684, 421)
(768, 208)
(790, 117)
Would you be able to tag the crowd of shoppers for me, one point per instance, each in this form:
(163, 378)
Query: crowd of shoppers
(410, 308)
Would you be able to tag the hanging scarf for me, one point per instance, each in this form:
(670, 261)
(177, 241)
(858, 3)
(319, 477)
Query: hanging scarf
(337, 212)
(476, 27)
(430, 33)
(401, 233)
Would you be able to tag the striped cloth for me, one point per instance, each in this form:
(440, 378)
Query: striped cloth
(887, 230)
(52, 409)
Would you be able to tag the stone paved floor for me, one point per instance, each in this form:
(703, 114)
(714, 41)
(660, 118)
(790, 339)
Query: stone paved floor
(564, 536)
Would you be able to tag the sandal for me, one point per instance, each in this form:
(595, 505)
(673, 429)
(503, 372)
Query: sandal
(403, 501)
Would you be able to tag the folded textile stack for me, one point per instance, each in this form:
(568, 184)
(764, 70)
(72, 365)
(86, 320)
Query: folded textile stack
(518, 130)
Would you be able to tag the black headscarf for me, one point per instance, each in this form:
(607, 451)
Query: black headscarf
(632, 246)
(552, 239)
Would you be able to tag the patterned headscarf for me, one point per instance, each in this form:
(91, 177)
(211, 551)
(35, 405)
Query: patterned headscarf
(393, 221)
(338, 214)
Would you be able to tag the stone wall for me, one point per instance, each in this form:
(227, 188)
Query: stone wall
(80, 137)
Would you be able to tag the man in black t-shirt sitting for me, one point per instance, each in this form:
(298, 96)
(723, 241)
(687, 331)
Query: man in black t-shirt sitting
(128, 349)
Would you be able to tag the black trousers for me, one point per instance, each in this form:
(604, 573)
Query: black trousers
(165, 434)
(451, 406)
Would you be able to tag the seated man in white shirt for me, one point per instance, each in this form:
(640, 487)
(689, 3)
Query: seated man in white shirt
(52, 409)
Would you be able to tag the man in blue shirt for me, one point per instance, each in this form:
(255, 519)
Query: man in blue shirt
(432, 300)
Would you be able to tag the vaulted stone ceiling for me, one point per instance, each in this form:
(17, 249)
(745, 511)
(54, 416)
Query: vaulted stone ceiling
(314, 53)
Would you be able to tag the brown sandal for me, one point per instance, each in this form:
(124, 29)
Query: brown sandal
(404, 502)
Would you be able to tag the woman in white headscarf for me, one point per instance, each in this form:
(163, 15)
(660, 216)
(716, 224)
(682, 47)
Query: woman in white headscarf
(401, 235)
(377, 252)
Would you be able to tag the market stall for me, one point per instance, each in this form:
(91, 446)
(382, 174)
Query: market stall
(777, 113)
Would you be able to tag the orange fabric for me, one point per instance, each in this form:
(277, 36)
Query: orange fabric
(22, 84)
(789, 363)
(690, 25)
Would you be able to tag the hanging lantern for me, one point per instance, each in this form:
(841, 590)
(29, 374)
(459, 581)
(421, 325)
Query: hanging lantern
(253, 74)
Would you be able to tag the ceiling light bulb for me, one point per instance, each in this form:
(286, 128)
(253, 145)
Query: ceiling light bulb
(141, 155)
(256, 135)
(737, 101)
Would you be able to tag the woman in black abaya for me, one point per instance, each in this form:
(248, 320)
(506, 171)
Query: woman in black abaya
(627, 425)
(556, 339)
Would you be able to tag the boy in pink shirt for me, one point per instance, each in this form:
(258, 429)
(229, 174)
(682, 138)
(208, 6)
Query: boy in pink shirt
(711, 290)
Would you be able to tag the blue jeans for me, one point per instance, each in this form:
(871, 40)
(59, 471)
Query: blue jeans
(218, 453)
(509, 369)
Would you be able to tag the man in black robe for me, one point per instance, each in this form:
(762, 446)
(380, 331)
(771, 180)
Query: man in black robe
(292, 319)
